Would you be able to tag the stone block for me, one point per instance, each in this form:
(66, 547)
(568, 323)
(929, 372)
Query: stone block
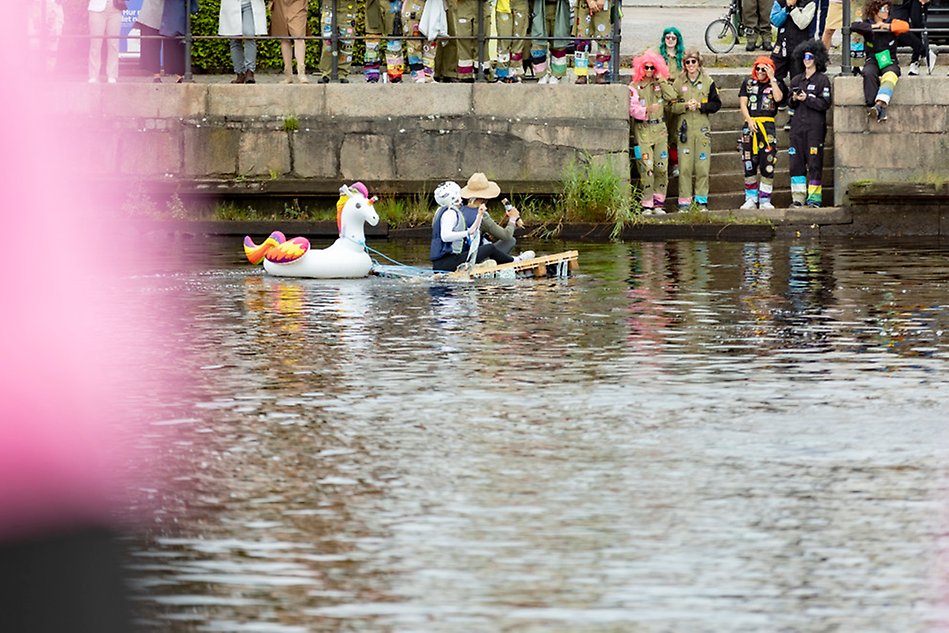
(414, 156)
(373, 101)
(266, 100)
(568, 101)
(77, 98)
(263, 153)
(901, 221)
(595, 135)
(94, 149)
(150, 153)
(148, 100)
(210, 150)
(908, 150)
(366, 157)
(316, 153)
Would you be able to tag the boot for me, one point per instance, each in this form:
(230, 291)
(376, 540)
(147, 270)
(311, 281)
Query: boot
(240, 79)
(249, 77)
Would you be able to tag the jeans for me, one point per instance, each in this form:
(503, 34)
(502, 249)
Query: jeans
(244, 52)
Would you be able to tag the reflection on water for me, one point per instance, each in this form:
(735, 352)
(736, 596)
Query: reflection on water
(688, 436)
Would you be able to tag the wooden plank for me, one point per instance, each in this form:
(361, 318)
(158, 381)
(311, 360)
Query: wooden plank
(537, 264)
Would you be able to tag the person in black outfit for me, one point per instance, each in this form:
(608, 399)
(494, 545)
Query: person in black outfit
(792, 18)
(880, 68)
(810, 91)
(912, 11)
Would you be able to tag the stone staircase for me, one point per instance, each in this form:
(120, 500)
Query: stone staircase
(726, 184)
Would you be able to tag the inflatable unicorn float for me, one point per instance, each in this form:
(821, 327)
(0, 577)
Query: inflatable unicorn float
(346, 258)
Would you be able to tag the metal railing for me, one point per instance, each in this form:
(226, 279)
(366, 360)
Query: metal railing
(482, 39)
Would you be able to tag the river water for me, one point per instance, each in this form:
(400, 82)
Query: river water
(686, 436)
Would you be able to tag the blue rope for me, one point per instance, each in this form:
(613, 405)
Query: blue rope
(375, 263)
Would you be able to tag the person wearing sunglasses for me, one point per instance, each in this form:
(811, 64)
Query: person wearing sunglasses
(758, 99)
(880, 71)
(672, 47)
(649, 94)
(696, 98)
(811, 91)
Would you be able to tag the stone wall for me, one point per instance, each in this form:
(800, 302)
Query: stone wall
(911, 146)
(310, 138)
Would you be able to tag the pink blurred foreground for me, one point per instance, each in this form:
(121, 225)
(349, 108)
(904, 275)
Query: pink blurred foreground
(70, 346)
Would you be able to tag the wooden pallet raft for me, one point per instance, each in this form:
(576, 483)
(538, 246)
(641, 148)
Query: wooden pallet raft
(537, 265)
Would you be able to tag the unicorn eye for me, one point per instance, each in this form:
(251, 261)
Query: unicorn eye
(359, 205)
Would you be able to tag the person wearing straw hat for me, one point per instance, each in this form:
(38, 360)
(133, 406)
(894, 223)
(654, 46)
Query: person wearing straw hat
(477, 192)
(455, 226)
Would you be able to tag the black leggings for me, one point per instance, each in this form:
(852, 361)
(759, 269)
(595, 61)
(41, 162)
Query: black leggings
(451, 262)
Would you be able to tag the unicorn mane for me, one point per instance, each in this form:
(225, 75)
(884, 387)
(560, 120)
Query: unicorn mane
(649, 57)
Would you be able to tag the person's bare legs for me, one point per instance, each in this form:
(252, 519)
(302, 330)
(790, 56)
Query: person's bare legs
(299, 49)
(287, 61)
(827, 36)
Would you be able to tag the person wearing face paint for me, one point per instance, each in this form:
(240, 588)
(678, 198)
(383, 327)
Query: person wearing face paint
(696, 98)
(758, 99)
(649, 92)
(811, 91)
(880, 68)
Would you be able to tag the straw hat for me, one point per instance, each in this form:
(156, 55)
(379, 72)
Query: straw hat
(480, 187)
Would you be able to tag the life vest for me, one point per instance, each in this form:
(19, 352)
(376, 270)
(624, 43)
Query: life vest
(439, 248)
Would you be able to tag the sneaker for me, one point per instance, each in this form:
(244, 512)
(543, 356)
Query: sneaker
(543, 79)
(796, 205)
(813, 205)
(766, 45)
(931, 61)
(913, 69)
(582, 80)
(750, 203)
(553, 80)
(323, 80)
(525, 255)
(703, 208)
(112, 80)
(658, 211)
(683, 208)
(93, 80)
(648, 210)
(765, 204)
(881, 112)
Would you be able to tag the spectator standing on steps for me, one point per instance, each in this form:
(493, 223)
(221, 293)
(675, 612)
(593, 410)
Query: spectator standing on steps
(345, 30)
(649, 93)
(811, 92)
(288, 19)
(672, 48)
(696, 98)
(756, 18)
(880, 71)
(239, 19)
(758, 99)
(105, 18)
(912, 11)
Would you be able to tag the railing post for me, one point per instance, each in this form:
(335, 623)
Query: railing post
(615, 42)
(334, 39)
(845, 53)
(188, 42)
(479, 71)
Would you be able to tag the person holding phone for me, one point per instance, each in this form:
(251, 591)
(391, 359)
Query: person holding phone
(811, 92)
(758, 99)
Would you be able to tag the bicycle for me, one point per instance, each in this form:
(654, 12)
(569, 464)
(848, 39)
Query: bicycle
(722, 34)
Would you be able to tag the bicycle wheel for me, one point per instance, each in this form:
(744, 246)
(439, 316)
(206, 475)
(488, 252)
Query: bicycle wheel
(721, 36)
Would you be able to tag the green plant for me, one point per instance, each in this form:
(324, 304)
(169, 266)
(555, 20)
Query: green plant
(176, 208)
(409, 211)
(291, 124)
(593, 191)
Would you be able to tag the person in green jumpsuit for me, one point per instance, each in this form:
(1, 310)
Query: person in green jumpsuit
(649, 93)
(696, 98)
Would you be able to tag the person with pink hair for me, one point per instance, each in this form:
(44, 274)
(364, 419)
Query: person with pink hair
(649, 93)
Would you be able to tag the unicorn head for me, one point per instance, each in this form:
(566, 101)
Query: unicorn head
(352, 209)
(448, 194)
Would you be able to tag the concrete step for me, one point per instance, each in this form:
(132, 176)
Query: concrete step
(735, 181)
(725, 148)
(780, 199)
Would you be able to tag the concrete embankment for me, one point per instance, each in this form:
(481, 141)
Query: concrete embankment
(217, 140)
